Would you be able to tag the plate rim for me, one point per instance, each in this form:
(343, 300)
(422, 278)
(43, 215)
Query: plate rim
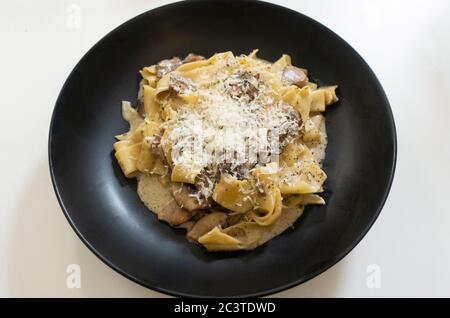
(265, 292)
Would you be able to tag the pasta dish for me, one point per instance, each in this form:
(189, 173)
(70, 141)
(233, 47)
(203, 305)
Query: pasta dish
(229, 148)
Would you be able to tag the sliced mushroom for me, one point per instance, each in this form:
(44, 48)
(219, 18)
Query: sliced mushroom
(289, 132)
(234, 219)
(173, 214)
(207, 177)
(294, 76)
(166, 66)
(191, 57)
(187, 225)
(206, 224)
(184, 197)
(242, 84)
(181, 85)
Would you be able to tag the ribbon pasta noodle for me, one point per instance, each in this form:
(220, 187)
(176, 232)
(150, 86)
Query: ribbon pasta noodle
(229, 148)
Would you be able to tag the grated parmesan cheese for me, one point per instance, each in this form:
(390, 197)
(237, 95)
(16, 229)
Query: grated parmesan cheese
(236, 124)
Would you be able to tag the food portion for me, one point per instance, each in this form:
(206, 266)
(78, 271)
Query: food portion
(229, 148)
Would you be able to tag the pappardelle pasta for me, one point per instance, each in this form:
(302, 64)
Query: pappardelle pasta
(229, 148)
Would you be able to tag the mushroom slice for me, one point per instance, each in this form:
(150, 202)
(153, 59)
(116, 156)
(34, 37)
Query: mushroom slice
(243, 84)
(206, 224)
(294, 76)
(186, 197)
(191, 57)
(173, 214)
(167, 66)
(180, 85)
(234, 219)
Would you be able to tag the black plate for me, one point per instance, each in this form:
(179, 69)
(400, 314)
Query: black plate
(103, 207)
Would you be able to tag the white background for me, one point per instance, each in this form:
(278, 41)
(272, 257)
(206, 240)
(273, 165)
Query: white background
(407, 43)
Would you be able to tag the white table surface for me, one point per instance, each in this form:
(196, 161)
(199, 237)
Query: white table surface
(407, 43)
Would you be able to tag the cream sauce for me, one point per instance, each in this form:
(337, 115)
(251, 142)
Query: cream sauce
(153, 193)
